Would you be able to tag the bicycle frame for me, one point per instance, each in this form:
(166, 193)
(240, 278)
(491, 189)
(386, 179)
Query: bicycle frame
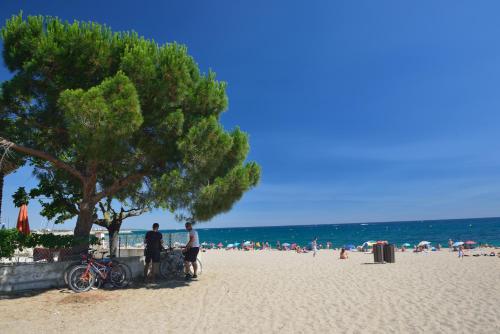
(98, 268)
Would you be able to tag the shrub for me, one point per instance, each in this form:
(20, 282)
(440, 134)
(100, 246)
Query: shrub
(12, 240)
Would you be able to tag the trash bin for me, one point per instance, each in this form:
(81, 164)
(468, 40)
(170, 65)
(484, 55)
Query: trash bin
(389, 255)
(378, 253)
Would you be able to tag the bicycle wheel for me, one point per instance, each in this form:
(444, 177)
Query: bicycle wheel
(199, 270)
(200, 267)
(99, 281)
(164, 267)
(81, 280)
(127, 271)
(171, 266)
(120, 275)
(68, 270)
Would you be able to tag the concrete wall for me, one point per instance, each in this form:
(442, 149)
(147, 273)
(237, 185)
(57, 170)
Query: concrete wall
(18, 277)
(32, 276)
(126, 252)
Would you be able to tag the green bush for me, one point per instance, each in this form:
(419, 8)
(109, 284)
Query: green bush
(12, 240)
(8, 242)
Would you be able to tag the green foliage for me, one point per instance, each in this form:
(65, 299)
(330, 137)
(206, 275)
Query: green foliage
(215, 175)
(104, 117)
(114, 105)
(64, 194)
(20, 197)
(12, 240)
(8, 242)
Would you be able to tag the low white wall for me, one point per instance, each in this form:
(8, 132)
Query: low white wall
(17, 277)
(136, 264)
(126, 252)
(32, 276)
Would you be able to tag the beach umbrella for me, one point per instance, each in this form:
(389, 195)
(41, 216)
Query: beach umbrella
(470, 242)
(23, 225)
(220, 245)
(247, 243)
(236, 244)
(229, 246)
(286, 244)
(458, 243)
(369, 243)
(423, 243)
(406, 244)
(349, 247)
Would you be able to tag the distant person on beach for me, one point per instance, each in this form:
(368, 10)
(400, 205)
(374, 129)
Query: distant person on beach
(343, 254)
(450, 245)
(278, 245)
(314, 246)
(191, 252)
(153, 242)
(461, 252)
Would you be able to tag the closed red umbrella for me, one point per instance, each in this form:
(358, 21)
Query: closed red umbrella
(23, 225)
(470, 242)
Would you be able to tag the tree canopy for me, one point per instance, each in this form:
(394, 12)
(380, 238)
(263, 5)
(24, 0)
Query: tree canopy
(102, 114)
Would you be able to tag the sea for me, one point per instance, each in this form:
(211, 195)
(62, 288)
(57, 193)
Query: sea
(480, 230)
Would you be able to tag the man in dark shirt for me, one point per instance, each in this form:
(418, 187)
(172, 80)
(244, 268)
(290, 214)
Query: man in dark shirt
(153, 245)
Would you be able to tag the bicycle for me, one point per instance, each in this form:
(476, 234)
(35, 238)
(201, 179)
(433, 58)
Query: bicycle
(83, 260)
(172, 264)
(96, 272)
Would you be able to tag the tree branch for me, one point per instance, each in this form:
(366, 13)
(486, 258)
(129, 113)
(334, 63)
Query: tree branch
(101, 206)
(118, 185)
(132, 209)
(102, 222)
(42, 155)
(134, 213)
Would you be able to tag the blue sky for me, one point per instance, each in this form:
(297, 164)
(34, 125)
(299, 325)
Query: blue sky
(357, 110)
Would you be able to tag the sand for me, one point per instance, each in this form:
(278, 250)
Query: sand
(278, 292)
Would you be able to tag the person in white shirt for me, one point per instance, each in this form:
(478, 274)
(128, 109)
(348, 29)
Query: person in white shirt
(314, 247)
(191, 252)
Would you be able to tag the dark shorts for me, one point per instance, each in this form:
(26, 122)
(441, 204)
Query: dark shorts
(152, 256)
(191, 254)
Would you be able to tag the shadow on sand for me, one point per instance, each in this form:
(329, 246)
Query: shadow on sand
(134, 285)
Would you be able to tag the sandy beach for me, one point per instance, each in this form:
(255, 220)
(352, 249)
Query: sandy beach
(271, 291)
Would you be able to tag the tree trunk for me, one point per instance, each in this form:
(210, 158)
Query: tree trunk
(113, 232)
(1, 194)
(83, 226)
